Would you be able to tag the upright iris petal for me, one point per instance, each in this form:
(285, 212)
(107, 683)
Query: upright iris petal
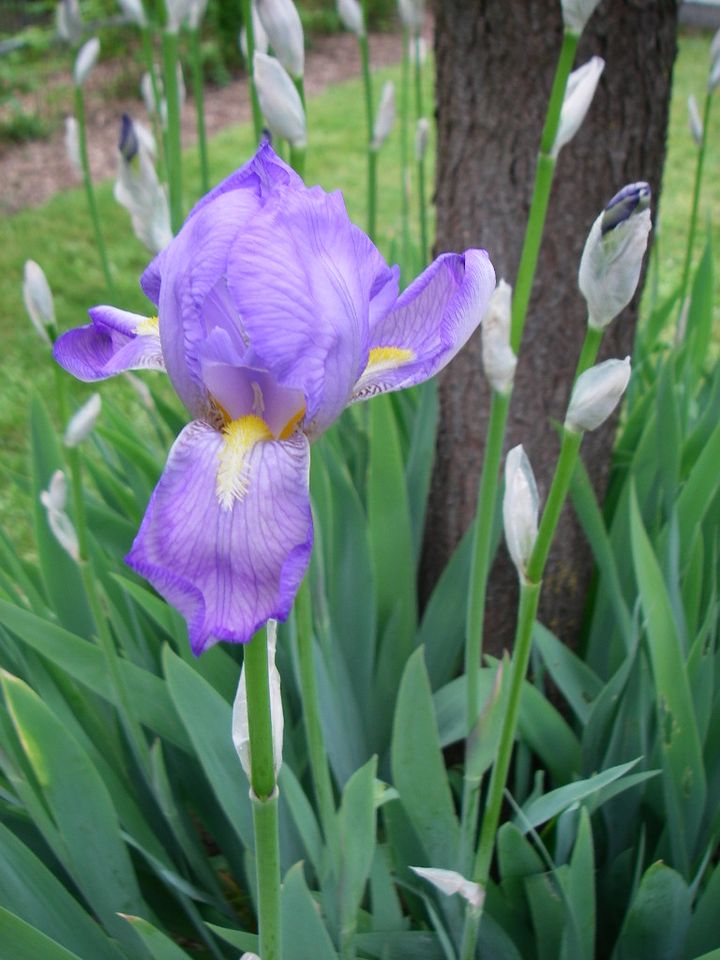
(275, 312)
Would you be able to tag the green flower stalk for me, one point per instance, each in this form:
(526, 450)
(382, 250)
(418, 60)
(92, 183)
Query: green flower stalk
(85, 61)
(251, 28)
(257, 734)
(420, 149)
(370, 121)
(608, 277)
(695, 205)
(500, 402)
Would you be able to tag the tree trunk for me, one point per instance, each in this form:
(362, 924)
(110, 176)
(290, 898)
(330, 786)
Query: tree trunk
(495, 61)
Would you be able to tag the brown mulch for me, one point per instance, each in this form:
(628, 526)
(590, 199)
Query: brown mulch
(32, 172)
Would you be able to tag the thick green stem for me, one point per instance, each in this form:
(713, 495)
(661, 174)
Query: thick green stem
(297, 160)
(198, 96)
(89, 191)
(311, 716)
(158, 128)
(245, 6)
(695, 201)
(370, 122)
(482, 544)
(404, 148)
(544, 173)
(174, 153)
(529, 596)
(569, 448)
(264, 795)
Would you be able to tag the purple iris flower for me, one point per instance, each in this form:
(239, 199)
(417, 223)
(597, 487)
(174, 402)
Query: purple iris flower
(275, 313)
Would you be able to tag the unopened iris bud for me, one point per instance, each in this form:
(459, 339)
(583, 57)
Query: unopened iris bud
(498, 359)
(612, 258)
(279, 100)
(138, 189)
(576, 13)
(385, 119)
(579, 94)
(134, 11)
(422, 135)
(450, 882)
(82, 423)
(596, 394)
(418, 51)
(285, 33)
(54, 500)
(351, 16)
(520, 509)
(72, 144)
(240, 724)
(85, 61)
(249, 956)
(696, 127)
(39, 301)
(68, 21)
(412, 14)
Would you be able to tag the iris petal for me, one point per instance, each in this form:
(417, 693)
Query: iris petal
(432, 319)
(114, 342)
(227, 570)
(302, 277)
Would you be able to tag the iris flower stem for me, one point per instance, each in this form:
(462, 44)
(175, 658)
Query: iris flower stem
(529, 596)
(89, 190)
(297, 160)
(487, 500)
(199, 97)
(422, 208)
(264, 795)
(370, 120)
(404, 148)
(695, 201)
(530, 588)
(311, 716)
(544, 173)
(245, 6)
(174, 154)
(132, 727)
(158, 129)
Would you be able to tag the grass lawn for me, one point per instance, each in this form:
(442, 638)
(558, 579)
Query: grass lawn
(57, 235)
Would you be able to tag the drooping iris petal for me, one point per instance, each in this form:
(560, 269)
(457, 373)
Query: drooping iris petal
(302, 277)
(227, 570)
(432, 320)
(114, 342)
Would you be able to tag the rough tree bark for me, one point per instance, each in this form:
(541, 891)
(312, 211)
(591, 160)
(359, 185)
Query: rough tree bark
(495, 61)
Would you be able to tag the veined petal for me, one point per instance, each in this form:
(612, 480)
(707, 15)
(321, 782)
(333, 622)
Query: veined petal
(302, 277)
(114, 342)
(261, 175)
(430, 323)
(227, 570)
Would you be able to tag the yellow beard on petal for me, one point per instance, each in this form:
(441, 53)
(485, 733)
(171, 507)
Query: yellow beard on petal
(239, 438)
(387, 358)
(149, 327)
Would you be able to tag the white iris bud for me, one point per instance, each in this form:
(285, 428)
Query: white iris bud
(279, 100)
(596, 394)
(285, 33)
(520, 509)
(612, 258)
(498, 359)
(579, 94)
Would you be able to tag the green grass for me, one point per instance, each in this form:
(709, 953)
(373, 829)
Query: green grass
(57, 235)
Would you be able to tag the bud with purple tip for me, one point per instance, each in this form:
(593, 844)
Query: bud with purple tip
(612, 258)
